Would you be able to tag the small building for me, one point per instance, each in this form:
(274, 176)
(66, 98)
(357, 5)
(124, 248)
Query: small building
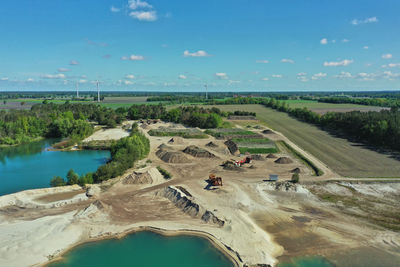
(273, 177)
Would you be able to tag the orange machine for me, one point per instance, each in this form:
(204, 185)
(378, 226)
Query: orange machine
(215, 181)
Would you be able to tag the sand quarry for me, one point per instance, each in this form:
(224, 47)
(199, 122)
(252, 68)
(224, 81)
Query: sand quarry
(254, 222)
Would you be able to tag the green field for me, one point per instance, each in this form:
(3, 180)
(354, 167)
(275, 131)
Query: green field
(184, 133)
(322, 108)
(230, 133)
(258, 150)
(344, 157)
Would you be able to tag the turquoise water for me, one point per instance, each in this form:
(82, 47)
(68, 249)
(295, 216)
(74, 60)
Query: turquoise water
(31, 165)
(146, 249)
(312, 261)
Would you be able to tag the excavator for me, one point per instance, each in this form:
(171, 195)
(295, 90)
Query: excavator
(243, 161)
(215, 181)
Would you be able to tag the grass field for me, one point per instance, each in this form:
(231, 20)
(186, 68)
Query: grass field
(231, 133)
(344, 157)
(322, 108)
(185, 133)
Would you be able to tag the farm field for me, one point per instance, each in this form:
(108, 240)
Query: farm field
(322, 108)
(344, 157)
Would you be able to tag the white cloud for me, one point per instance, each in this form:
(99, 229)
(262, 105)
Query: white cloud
(318, 76)
(230, 82)
(182, 77)
(345, 40)
(324, 41)
(390, 75)
(301, 74)
(366, 47)
(130, 76)
(4, 79)
(276, 76)
(126, 82)
(137, 4)
(303, 79)
(391, 65)
(144, 15)
(265, 79)
(364, 21)
(344, 62)
(221, 75)
(74, 62)
(115, 9)
(30, 80)
(387, 56)
(287, 60)
(63, 70)
(344, 75)
(262, 61)
(53, 76)
(200, 53)
(133, 58)
(82, 81)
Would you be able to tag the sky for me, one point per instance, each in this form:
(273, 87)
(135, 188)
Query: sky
(179, 46)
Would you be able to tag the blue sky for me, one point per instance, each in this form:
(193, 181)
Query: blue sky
(236, 45)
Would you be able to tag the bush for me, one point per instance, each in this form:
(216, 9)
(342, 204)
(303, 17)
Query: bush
(295, 178)
(72, 177)
(57, 181)
(164, 173)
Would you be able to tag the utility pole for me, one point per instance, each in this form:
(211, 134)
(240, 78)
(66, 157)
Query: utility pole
(77, 89)
(206, 91)
(98, 91)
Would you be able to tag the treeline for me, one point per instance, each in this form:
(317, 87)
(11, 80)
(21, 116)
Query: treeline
(192, 116)
(380, 102)
(373, 128)
(54, 120)
(124, 153)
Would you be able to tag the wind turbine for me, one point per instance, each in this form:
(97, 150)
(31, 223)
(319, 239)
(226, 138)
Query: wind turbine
(98, 91)
(206, 86)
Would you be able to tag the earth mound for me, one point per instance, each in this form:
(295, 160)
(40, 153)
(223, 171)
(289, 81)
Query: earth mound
(283, 160)
(232, 146)
(198, 152)
(267, 131)
(257, 157)
(211, 144)
(271, 156)
(296, 170)
(230, 166)
(172, 156)
(149, 176)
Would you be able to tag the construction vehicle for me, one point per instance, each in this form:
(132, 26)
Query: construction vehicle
(213, 180)
(243, 161)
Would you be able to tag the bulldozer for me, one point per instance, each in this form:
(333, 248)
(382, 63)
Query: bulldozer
(214, 181)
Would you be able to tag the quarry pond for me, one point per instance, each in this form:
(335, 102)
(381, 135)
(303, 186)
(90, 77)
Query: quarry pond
(31, 166)
(146, 249)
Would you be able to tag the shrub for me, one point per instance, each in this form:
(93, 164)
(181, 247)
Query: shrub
(295, 178)
(57, 181)
(164, 173)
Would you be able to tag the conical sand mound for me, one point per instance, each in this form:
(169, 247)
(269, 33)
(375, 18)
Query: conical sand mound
(172, 156)
(271, 156)
(198, 152)
(283, 160)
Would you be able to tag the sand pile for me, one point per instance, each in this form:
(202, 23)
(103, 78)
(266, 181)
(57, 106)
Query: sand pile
(232, 146)
(271, 156)
(170, 156)
(211, 144)
(230, 166)
(198, 152)
(148, 176)
(283, 160)
(267, 131)
(296, 170)
(257, 157)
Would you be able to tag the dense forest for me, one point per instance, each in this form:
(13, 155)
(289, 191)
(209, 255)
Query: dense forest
(53, 120)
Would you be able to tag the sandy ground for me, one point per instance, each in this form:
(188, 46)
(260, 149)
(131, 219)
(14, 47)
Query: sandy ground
(250, 220)
(107, 134)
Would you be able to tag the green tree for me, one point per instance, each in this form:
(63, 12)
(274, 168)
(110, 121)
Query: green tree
(72, 177)
(57, 181)
(295, 178)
